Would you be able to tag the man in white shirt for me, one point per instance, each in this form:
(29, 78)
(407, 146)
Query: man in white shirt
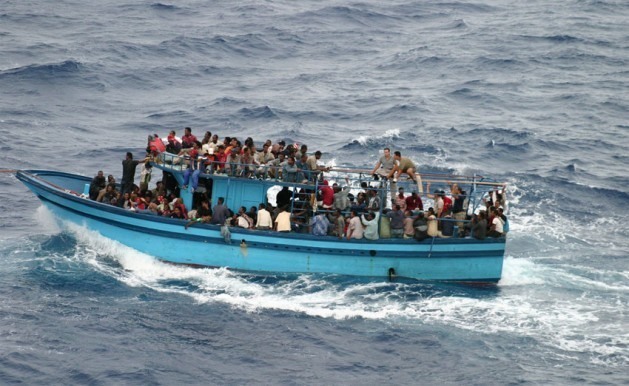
(264, 222)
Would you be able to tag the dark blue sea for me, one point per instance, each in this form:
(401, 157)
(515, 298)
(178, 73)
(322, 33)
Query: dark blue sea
(534, 93)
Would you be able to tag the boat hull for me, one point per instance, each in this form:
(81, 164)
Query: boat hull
(268, 251)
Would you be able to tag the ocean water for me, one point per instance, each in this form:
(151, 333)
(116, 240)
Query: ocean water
(534, 93)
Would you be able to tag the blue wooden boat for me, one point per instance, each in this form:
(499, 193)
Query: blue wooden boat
(444, 259)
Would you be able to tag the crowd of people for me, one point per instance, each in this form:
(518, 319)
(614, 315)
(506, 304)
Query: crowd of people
(327, 210)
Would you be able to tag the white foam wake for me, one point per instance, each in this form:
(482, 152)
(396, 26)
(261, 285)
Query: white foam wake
(521, 307)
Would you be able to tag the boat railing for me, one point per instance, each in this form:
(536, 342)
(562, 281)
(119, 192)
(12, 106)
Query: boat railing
(476, 186)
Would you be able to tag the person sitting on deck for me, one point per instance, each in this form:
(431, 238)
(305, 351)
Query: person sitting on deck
(313, 167)
(264, 221)
(196, 167)
(447, 225)
(211, 145)
(110, 196)
(327, 195)
(433, 228)
(282, 221)
(204, 213)
(188, 139)
(421, 227)
(505, 220)
(497, 224)
(303, 151)
(278, 148)
(290, 171)
(178, 203)
(191, 152)
(400, 199)
(409, 228)
(355, 229)
(320, 224)
(303, 175)
(101, 193)
(479, 226)
(220, 213)
(232, 164)
(98, 183)
(176, 213)
(230, 144)
(338, 228)
(264, 159)
(253, 213)
(414, 202)
(275, 166)
(370, 222)
(341, 197)
(374, 200)
(242, 219)
(173, 145)
(125, 201)
(360, 205)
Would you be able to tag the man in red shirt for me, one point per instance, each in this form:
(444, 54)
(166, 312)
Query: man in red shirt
(188, 139)
(414, 202)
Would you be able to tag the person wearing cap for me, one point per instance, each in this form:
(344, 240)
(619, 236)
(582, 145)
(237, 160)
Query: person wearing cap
(438, 197)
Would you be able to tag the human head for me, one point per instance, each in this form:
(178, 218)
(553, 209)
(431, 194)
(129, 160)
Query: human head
(317, 154)
(386, 151)
(187, 130)
(129, 155)
(397, 155)
(291, 160)
(221, 200)
(101, 174)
